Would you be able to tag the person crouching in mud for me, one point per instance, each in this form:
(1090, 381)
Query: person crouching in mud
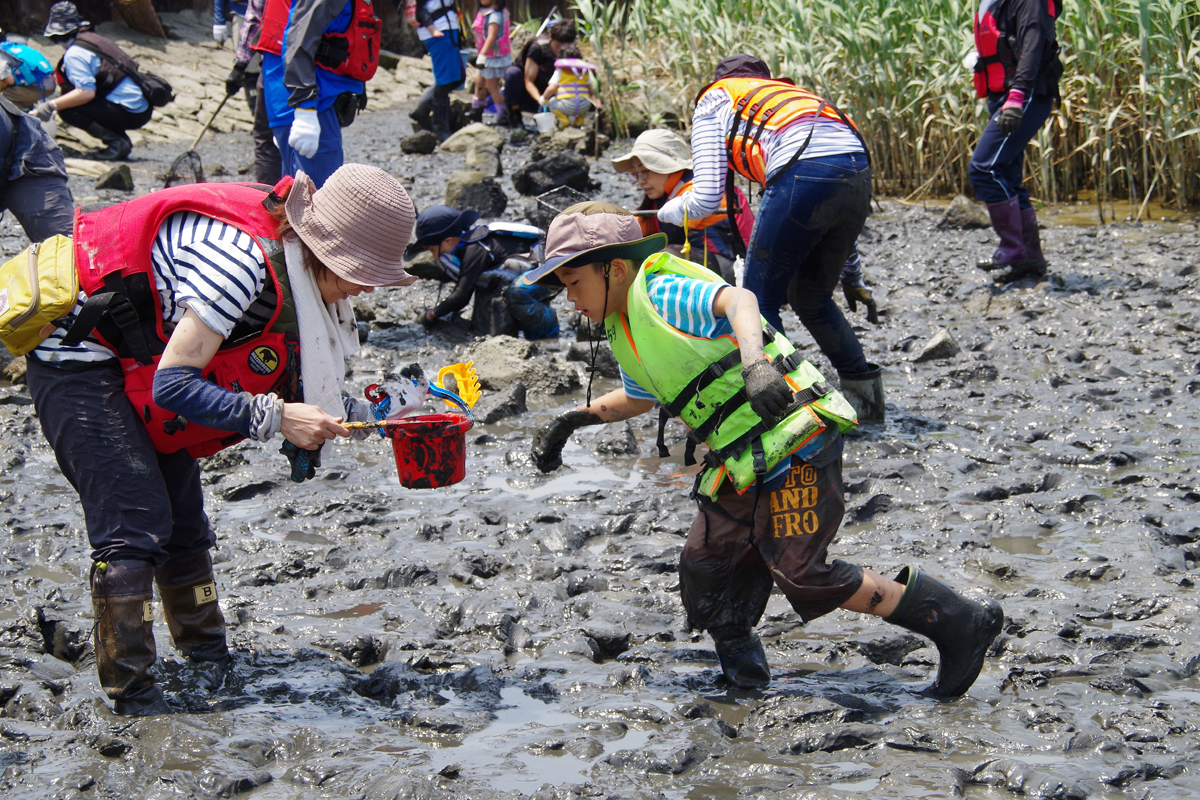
(231, 283)
(770, 493)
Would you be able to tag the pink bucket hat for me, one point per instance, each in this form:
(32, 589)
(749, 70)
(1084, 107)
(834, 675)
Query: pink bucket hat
(591, 232)
(358, 224)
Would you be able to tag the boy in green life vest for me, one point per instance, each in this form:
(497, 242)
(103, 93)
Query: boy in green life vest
(770, 490)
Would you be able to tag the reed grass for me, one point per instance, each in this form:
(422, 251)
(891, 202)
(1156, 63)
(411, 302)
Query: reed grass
(1127, 127)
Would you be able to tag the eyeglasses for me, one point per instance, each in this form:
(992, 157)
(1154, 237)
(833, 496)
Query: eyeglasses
(639, 175)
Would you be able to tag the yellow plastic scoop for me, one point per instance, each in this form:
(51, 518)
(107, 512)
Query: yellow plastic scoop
(466, 382)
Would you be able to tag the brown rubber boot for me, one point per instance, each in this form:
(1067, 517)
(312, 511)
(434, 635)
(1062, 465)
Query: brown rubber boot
(124, 638)
(189, 596)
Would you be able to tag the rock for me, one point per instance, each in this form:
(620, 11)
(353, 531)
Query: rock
(606, 362)
(616, 440)
(119, 178)
(478, 191)
(575, 140)
(501, 360)
(560, 169)
(940, 347)
(474, 135)
(965, 214)
(421, 143)
(483, 159)
(506, 404)
(388, 60)
(425, 266)
(518, 136)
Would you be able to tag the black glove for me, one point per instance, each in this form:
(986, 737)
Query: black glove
(861, 294)
(304, 462)
(237, 77)
(1009, 119)
(769, 393)
(549, 441)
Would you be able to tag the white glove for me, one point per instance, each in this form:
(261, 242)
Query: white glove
(44, 110)
(306, 132)
(970, 61)
(672, 212)
(219, 33)
(481, 60)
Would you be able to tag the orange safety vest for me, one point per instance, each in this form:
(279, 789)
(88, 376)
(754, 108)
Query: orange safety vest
(761, 104)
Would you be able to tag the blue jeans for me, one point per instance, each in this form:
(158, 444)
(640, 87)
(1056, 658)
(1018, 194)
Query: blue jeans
(805, 230)
(530, 308)
(998, 163)
(137, 503)
(329, 150)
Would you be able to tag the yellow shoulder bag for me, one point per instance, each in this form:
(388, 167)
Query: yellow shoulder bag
(36, 287)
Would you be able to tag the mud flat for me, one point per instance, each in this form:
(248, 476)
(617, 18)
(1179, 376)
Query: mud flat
(521, 635)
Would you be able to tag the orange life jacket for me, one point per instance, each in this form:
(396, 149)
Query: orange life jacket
(762, 104)
(743, 217)
(124, 309)
(997, 62)
(353, 53)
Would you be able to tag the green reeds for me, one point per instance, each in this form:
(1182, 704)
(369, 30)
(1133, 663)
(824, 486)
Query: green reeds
(1127, 128)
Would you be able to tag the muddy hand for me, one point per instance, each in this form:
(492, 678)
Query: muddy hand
(549, 441)
(861, 294)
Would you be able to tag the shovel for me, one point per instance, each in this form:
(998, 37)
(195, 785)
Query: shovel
(191, 158)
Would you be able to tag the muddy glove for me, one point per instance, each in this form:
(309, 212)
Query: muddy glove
(306, 132)
(1009, 119)
(236, 79)
(770, 396)
(219, 33)
(859, 293)
(304, 462)
(481, 60)
(549, 441)
(44, 110)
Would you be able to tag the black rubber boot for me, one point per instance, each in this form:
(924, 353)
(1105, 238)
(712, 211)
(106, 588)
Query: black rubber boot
(118, 144)
(188, 591)
(515, 120)
(420, 115)
(864, 391)
(441, 118)
(963, 629)
(742, 658)
(124, 639)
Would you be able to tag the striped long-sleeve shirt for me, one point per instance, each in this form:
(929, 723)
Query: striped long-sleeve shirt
(250, 29)
(199, 263)
(711, 123)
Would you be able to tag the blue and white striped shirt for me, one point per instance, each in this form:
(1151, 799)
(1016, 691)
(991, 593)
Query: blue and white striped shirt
(211, 267)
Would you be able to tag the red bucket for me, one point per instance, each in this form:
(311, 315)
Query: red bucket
(431, 450)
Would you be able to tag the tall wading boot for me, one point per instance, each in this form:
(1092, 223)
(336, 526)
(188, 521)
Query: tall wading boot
(188, 591)
(441, 118)
(124, 638)
(515, 120)
(1035, 263)
(864, 391)
(420, 115)
(118, 144)
(1006, 221)
(742, 657)
(963, 629)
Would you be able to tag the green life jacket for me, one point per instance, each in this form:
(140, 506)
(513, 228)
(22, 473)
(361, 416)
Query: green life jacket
(700, 381)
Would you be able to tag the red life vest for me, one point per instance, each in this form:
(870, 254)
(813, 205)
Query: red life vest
(997, 62)
(112, 257)
(354, 53)
(764, 104)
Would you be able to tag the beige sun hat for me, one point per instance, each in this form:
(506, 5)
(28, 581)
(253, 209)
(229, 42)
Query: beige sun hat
(358, 224)
(659, 150)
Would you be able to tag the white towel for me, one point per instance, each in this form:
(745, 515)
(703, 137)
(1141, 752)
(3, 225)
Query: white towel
(328, 335)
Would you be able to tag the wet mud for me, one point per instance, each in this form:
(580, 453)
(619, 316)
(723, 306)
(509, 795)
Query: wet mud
(521, 635)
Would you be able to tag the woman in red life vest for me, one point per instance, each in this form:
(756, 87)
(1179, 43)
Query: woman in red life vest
(1017, 70)
(196, 303)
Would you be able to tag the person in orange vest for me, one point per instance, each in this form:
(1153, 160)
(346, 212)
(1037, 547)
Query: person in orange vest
(1017, 70)
(195, 305)
(814, 167)
(661, 163)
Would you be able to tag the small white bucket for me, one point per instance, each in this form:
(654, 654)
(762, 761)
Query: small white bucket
(546, 122)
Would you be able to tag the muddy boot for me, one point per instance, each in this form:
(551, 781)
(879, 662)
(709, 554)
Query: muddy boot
(742, 657)
(1006, 221)
(188, 592)
(515, 120)
(441, 118)
(1034, 265)
(864, 391)
(420, 114)
(124, 640)
(962, 629)
(119, 145)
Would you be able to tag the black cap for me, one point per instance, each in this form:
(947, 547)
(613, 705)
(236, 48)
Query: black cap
(64, 19)
(440, 222)
(741, 65)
